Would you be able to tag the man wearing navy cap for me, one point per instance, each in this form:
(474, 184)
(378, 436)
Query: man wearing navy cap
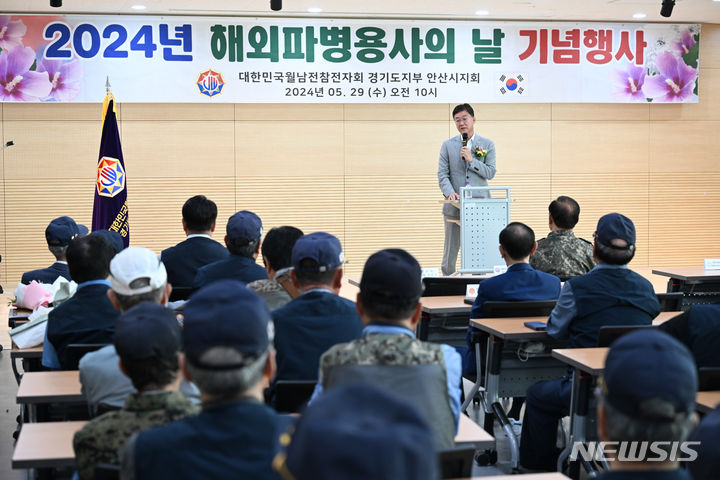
(707, 465)
(228, 356)
(358, 432)
(610, 294)
(244, 230)
(199, 215)
(147, 339)
(699, 330)
(87, 316)
(425, 375)
(647, 393)
(57, 234)
(318, 319)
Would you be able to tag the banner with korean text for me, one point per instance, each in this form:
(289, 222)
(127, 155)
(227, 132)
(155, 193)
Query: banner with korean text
(308, 60)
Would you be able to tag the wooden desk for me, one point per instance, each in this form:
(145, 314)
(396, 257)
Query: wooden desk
(512, 328)
(445, 305)
(589, 360)
(707, 401)
(664, 317)
(696, 284)
(471, 432)
(46, 445)
(49, 387)
(689, 274)
(27, 356)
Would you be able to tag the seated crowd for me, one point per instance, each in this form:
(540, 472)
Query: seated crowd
(191, 394)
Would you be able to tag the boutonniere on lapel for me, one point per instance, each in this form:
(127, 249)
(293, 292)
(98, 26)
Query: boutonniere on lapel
(479, 152)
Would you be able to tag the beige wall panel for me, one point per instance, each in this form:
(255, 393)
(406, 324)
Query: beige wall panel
(522, 146)
(588, 147)
(530, 194)
(30, 205)
(375, 112)
(55, 111)
(280, 112)
(409, 217)
(308, 203)
(50, 150)
(709, 41)
(305, 149)
(510, 111)
(705, 109)
(599, 194)
(156, 208)
(600, 111)
(393, 148)
(178, 149)
(688, 146)
(178, 111)
(684, 222)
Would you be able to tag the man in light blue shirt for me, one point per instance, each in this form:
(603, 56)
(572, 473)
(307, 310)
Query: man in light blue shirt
(425, 375)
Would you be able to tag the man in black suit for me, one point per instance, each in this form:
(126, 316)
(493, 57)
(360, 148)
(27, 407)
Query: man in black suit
(58, 234)
(184, 259)
(87, 316)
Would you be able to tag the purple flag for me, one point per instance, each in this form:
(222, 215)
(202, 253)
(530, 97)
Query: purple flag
(110, 210)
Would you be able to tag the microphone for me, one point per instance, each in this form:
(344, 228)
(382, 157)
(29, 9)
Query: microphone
(464, 139)
(8, 144)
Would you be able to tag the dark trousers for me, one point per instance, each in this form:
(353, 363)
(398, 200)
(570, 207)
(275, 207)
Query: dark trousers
(545, 404)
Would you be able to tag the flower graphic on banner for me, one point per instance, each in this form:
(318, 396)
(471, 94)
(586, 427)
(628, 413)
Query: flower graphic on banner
(64, 78)
(674, 81)
(685, 44)
(17, 82)
(11, 32)
(629, 83)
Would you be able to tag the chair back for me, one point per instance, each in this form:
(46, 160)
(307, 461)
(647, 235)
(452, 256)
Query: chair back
(708, 379)
(75, 351)
(535, 308)
(291, 396)
(608, 334)
(442, 286)
(106, 471)
(670, 302)
(456, 462)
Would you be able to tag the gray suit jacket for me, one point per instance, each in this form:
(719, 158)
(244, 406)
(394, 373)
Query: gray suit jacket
(453, 171)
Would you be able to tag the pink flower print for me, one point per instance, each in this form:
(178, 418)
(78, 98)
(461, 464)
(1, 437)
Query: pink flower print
(17, 82)
(64, 78)
(674, 81)
(11, 32)
(685, 44)
(628, 83)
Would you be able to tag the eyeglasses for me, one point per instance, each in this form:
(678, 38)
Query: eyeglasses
(464, 119)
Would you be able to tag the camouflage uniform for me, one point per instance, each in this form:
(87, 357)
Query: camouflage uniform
(103, 438)
(409, 368)
(564, 255)
(272, 292)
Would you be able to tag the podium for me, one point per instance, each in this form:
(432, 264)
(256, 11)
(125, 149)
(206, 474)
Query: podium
(481, 221)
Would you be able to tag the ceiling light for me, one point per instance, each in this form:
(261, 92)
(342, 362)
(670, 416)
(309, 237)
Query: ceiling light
(642, 15)
(482, 12)
(318, 9)
(138, 7)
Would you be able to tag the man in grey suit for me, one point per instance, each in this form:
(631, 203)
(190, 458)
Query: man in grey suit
(465, 160)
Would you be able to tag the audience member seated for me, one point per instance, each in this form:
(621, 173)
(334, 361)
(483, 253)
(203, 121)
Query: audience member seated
(147, 338)
(699, 330)
(707, 464)
(520, 282)
(318, 319)
(610, 294)
(358, 432)
(425, 375)
(244, 230)
(561, 253)
(136, 276)
(648, 395)
(87, 316)
(115, 239)
(199, 215)
(57, 234)
(228, 356)
(276, 251)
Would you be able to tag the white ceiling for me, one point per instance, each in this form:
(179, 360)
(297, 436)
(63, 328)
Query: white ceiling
(706, 11)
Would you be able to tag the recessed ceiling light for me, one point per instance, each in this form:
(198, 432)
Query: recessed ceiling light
(138, 7)
(314, 10)
(482, 12)
(642, 15)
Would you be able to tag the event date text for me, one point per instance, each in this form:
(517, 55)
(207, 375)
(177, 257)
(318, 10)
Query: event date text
(371, 92)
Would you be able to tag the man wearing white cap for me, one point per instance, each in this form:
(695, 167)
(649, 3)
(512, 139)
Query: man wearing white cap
(136, 275)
